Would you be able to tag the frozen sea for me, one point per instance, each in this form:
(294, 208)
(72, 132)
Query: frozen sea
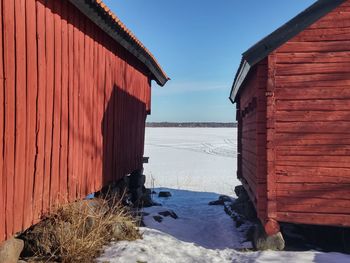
(198, 159)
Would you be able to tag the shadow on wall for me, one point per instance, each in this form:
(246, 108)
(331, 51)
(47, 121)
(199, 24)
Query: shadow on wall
(123, 128)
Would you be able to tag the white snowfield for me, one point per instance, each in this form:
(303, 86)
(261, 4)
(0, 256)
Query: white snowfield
(199, 159)
(196, 165)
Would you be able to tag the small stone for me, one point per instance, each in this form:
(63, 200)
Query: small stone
(225, 198)
(159, 219)
(10, 250)
(117, 231)
(217, 202)
(164, 194)
(169, 213)
(261, 241)
(239, 189)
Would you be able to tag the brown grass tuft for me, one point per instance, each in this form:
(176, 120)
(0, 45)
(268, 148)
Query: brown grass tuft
(77, 232)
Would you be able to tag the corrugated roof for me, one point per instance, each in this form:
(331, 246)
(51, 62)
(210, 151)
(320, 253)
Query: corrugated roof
(263, 48)
(103, 17)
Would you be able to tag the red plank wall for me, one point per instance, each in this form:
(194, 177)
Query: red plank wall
(312, 122)
(252, 123)
(73, 108)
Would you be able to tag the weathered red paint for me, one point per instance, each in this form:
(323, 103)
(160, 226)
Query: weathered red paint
(73, 105)
(294, 118)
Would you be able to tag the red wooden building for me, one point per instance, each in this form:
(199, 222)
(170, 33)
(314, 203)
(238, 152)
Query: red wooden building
(75, 90)
(292, 92)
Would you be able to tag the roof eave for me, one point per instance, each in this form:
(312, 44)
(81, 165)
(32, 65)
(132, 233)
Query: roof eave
(241, 76)
(111, 28)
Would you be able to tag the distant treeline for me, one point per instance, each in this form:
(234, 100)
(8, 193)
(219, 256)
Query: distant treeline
(192, 124)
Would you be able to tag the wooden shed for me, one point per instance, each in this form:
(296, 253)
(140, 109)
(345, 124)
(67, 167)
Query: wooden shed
(75, 90)
(292, 93)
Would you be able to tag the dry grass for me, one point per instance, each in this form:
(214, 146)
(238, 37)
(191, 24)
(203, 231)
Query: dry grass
(77, 232)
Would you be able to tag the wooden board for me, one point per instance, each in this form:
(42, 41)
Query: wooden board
(64, 118)
(31, 110)
(2, 118)
(10, 103)
(70, 121)
(41, 112)
(49, 48)
(57, 105)
(21, 111)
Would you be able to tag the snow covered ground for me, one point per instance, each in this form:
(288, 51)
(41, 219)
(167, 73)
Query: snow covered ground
(197, 164)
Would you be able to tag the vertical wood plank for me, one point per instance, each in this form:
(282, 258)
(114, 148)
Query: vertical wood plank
(50, 49)
(271, 151)
(88, 108)
(21, 121)
(117, 63)
(2, 119)
(81, 106)
(41, 112)
(10, 108)
(101, 107)
(110, 102)
(114, 112)
(56, 129)
(95, 109)
(63, 174)
(32, 92)
(71, 121)
(76, 98)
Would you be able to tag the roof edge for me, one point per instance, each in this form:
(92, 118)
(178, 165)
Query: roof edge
(241, 75)
(105, 19)
(293, 27)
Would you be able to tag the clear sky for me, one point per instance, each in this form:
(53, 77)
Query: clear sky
(199, 45)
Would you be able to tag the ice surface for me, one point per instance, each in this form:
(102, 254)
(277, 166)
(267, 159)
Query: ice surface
(199, 159)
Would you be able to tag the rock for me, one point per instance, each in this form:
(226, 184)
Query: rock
(10, 250)
(121, 229)
(169, 213)
(38, 240)
(263, 242)
(164, 194)
(217, 202)
(116, 231)
(136, 195)
(239, 189)
(225, 198)
(146, 200)
(244, 208)
(159, 219)
(136, 179)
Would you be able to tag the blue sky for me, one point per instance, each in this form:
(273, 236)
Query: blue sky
(199, 44)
